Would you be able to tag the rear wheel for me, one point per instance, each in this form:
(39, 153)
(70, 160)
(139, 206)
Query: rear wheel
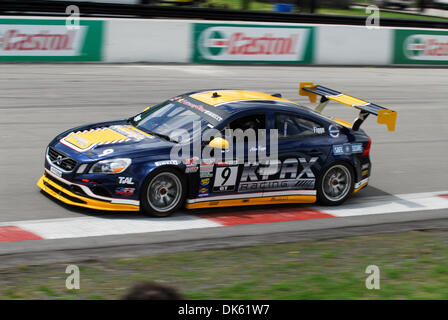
(335, 185)
(163, 193)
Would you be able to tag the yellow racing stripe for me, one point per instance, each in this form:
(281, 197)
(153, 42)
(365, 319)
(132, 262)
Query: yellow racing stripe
(348, 100)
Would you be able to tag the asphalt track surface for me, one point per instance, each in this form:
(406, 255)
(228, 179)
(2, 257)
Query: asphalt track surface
(37, 101)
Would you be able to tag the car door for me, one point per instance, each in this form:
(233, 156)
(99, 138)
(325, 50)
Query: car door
(243, 154)
(302, 151)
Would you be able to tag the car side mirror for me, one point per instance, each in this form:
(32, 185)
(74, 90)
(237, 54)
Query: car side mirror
(219, 143)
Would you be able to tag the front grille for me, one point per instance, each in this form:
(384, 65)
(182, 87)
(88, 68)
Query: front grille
(60, 160)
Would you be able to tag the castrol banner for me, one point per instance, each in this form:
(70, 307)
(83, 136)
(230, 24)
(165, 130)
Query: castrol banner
(252, 43)
(49, 40)
(421, 47)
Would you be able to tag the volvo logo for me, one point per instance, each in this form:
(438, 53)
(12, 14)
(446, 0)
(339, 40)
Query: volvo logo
(57, 159)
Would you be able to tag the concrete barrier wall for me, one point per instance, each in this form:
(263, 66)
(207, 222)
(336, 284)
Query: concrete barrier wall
(240, 42)
(342, 45)
(183, 41)
(147, 41)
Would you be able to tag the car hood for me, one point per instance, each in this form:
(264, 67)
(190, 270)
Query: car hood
(110, 140)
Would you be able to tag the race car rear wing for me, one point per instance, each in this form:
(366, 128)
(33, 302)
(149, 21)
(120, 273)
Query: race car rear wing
(385, 116)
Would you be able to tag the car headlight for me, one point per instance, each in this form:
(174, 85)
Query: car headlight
(111, 166)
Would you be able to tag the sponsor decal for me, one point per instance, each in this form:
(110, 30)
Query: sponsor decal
(333, 131)
(252, 43)
(227, 163)
(74, 141)
(207, 162)
(201, 108)
(49, 40)
(204, 192)
(205, 181)
(166, 162)
(255, 149)
(56, 171)
(338, 150)
(206, 168)
(276, 185)
(125, 180)
(191, 169)
(125, 191)
(192, 161)
(131, 132)
(192, 165)
(365, 166)
(292, 173)
(421, 47)
(319, 130)
(279, 198)
(357, 147)
(347, 148)
(206, 174)
(23, 40)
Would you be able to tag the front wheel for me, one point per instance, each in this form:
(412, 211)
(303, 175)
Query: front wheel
(335, 185)
(163, 193)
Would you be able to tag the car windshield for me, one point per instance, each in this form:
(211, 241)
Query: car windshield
(168, 118)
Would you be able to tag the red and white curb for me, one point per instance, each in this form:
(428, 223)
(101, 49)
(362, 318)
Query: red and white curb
(82, 227)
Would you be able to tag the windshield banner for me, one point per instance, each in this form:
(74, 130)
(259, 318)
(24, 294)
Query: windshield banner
(252, 43)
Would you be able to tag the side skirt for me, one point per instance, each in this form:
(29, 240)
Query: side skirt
(306, 196)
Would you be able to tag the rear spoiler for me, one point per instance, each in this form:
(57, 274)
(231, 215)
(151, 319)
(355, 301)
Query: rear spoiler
(385, 116)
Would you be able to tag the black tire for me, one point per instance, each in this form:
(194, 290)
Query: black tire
(163, 192)
(335, 185)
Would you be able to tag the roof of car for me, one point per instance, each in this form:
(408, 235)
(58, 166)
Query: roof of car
(235, 101)
(220, 97)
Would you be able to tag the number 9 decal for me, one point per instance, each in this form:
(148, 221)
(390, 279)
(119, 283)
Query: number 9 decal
(225, 178)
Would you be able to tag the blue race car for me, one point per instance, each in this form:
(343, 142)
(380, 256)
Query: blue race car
(134, 164)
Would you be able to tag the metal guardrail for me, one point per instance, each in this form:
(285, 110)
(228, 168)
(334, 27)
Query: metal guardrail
(92, 9)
